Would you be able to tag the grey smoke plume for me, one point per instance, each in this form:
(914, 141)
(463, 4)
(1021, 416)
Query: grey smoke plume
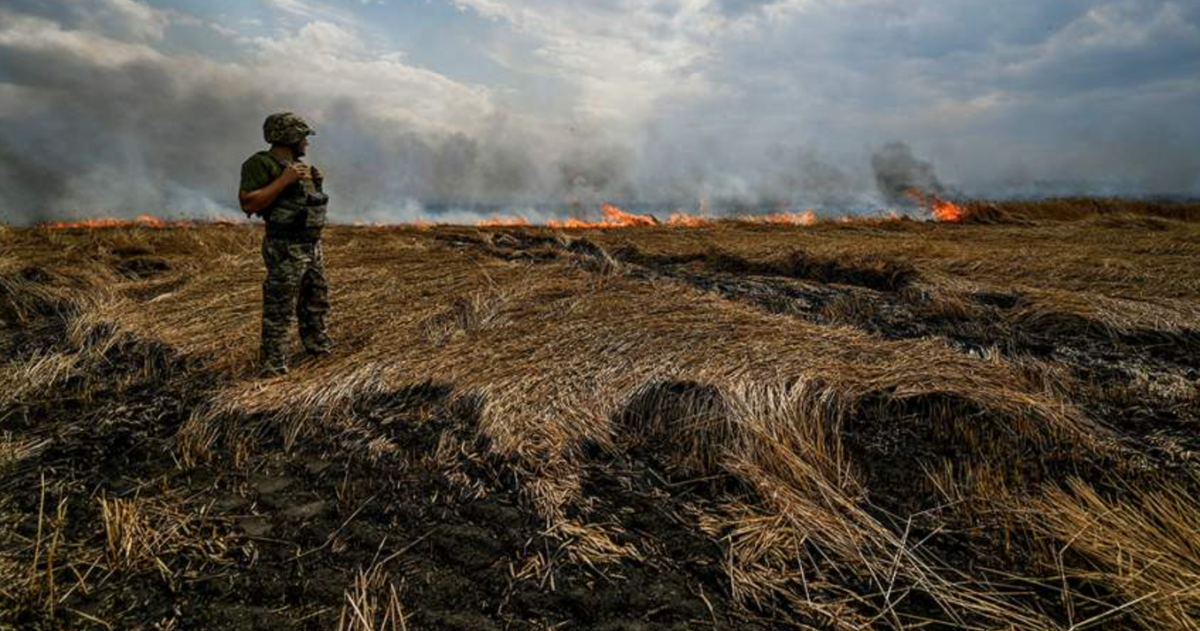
(898, 172)
(133, 138)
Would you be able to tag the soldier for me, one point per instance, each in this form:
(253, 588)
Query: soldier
(288, 194)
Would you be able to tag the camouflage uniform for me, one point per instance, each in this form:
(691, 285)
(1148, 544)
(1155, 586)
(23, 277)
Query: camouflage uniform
(295, 285)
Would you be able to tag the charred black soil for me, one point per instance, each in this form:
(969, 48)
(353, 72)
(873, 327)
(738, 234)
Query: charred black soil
(286, 535)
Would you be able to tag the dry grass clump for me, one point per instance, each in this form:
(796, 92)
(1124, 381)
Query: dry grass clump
(76, 548)
(852, 309)
(14, 450)
(1144, 548)
(1129, 221)
(988, 213)
(372, 603)
(593, 544)
(92, 352)
(465, 316)
(794, 453)
(25, 294)
(686, 420)
(140, 533)
(1075, 208)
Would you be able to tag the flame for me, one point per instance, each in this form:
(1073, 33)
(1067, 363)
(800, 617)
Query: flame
(614, 217)
(948, 211)
(504, 222)
(943, 211)
(142, 221)
(613, 214)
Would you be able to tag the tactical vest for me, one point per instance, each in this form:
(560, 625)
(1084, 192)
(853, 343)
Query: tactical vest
(299, 212)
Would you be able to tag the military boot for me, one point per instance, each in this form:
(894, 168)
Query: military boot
(269, 372)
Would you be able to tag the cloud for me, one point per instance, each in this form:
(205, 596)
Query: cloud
(323, 10)
(1124, 44)
(295, 7)
(36, 36)
(126, 20)
(328, 62)
(624, 58)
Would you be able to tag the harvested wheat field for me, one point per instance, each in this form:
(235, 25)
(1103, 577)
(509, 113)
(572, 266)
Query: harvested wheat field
(872, 424)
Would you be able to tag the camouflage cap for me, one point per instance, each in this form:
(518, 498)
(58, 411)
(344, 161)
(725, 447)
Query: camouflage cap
(285, 128)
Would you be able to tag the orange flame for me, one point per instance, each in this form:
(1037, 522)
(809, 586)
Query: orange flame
(943, 211)
(613, 214)
(142, 221)
(503, 222)
(614, 217)
(948, 211)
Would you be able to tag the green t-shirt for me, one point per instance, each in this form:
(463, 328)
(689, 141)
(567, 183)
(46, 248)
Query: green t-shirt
(259, 170)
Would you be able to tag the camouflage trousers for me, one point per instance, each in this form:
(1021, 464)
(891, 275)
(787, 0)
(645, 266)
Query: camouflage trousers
(295, 287)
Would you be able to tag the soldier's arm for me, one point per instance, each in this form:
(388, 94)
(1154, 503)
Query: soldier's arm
(254, 201)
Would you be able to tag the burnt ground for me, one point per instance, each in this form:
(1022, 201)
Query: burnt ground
(263, 539)
(276, 542)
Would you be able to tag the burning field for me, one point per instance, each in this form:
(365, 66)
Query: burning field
(988, 421)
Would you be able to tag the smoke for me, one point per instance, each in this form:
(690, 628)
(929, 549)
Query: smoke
(898, 173)
(131, 135)
(99, 117)
(98, 127)
(92, 125)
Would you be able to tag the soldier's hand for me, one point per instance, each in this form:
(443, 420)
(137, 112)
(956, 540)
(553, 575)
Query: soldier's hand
(295, 172)
(316, 174)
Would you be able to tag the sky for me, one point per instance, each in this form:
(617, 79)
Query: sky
(452, 109)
